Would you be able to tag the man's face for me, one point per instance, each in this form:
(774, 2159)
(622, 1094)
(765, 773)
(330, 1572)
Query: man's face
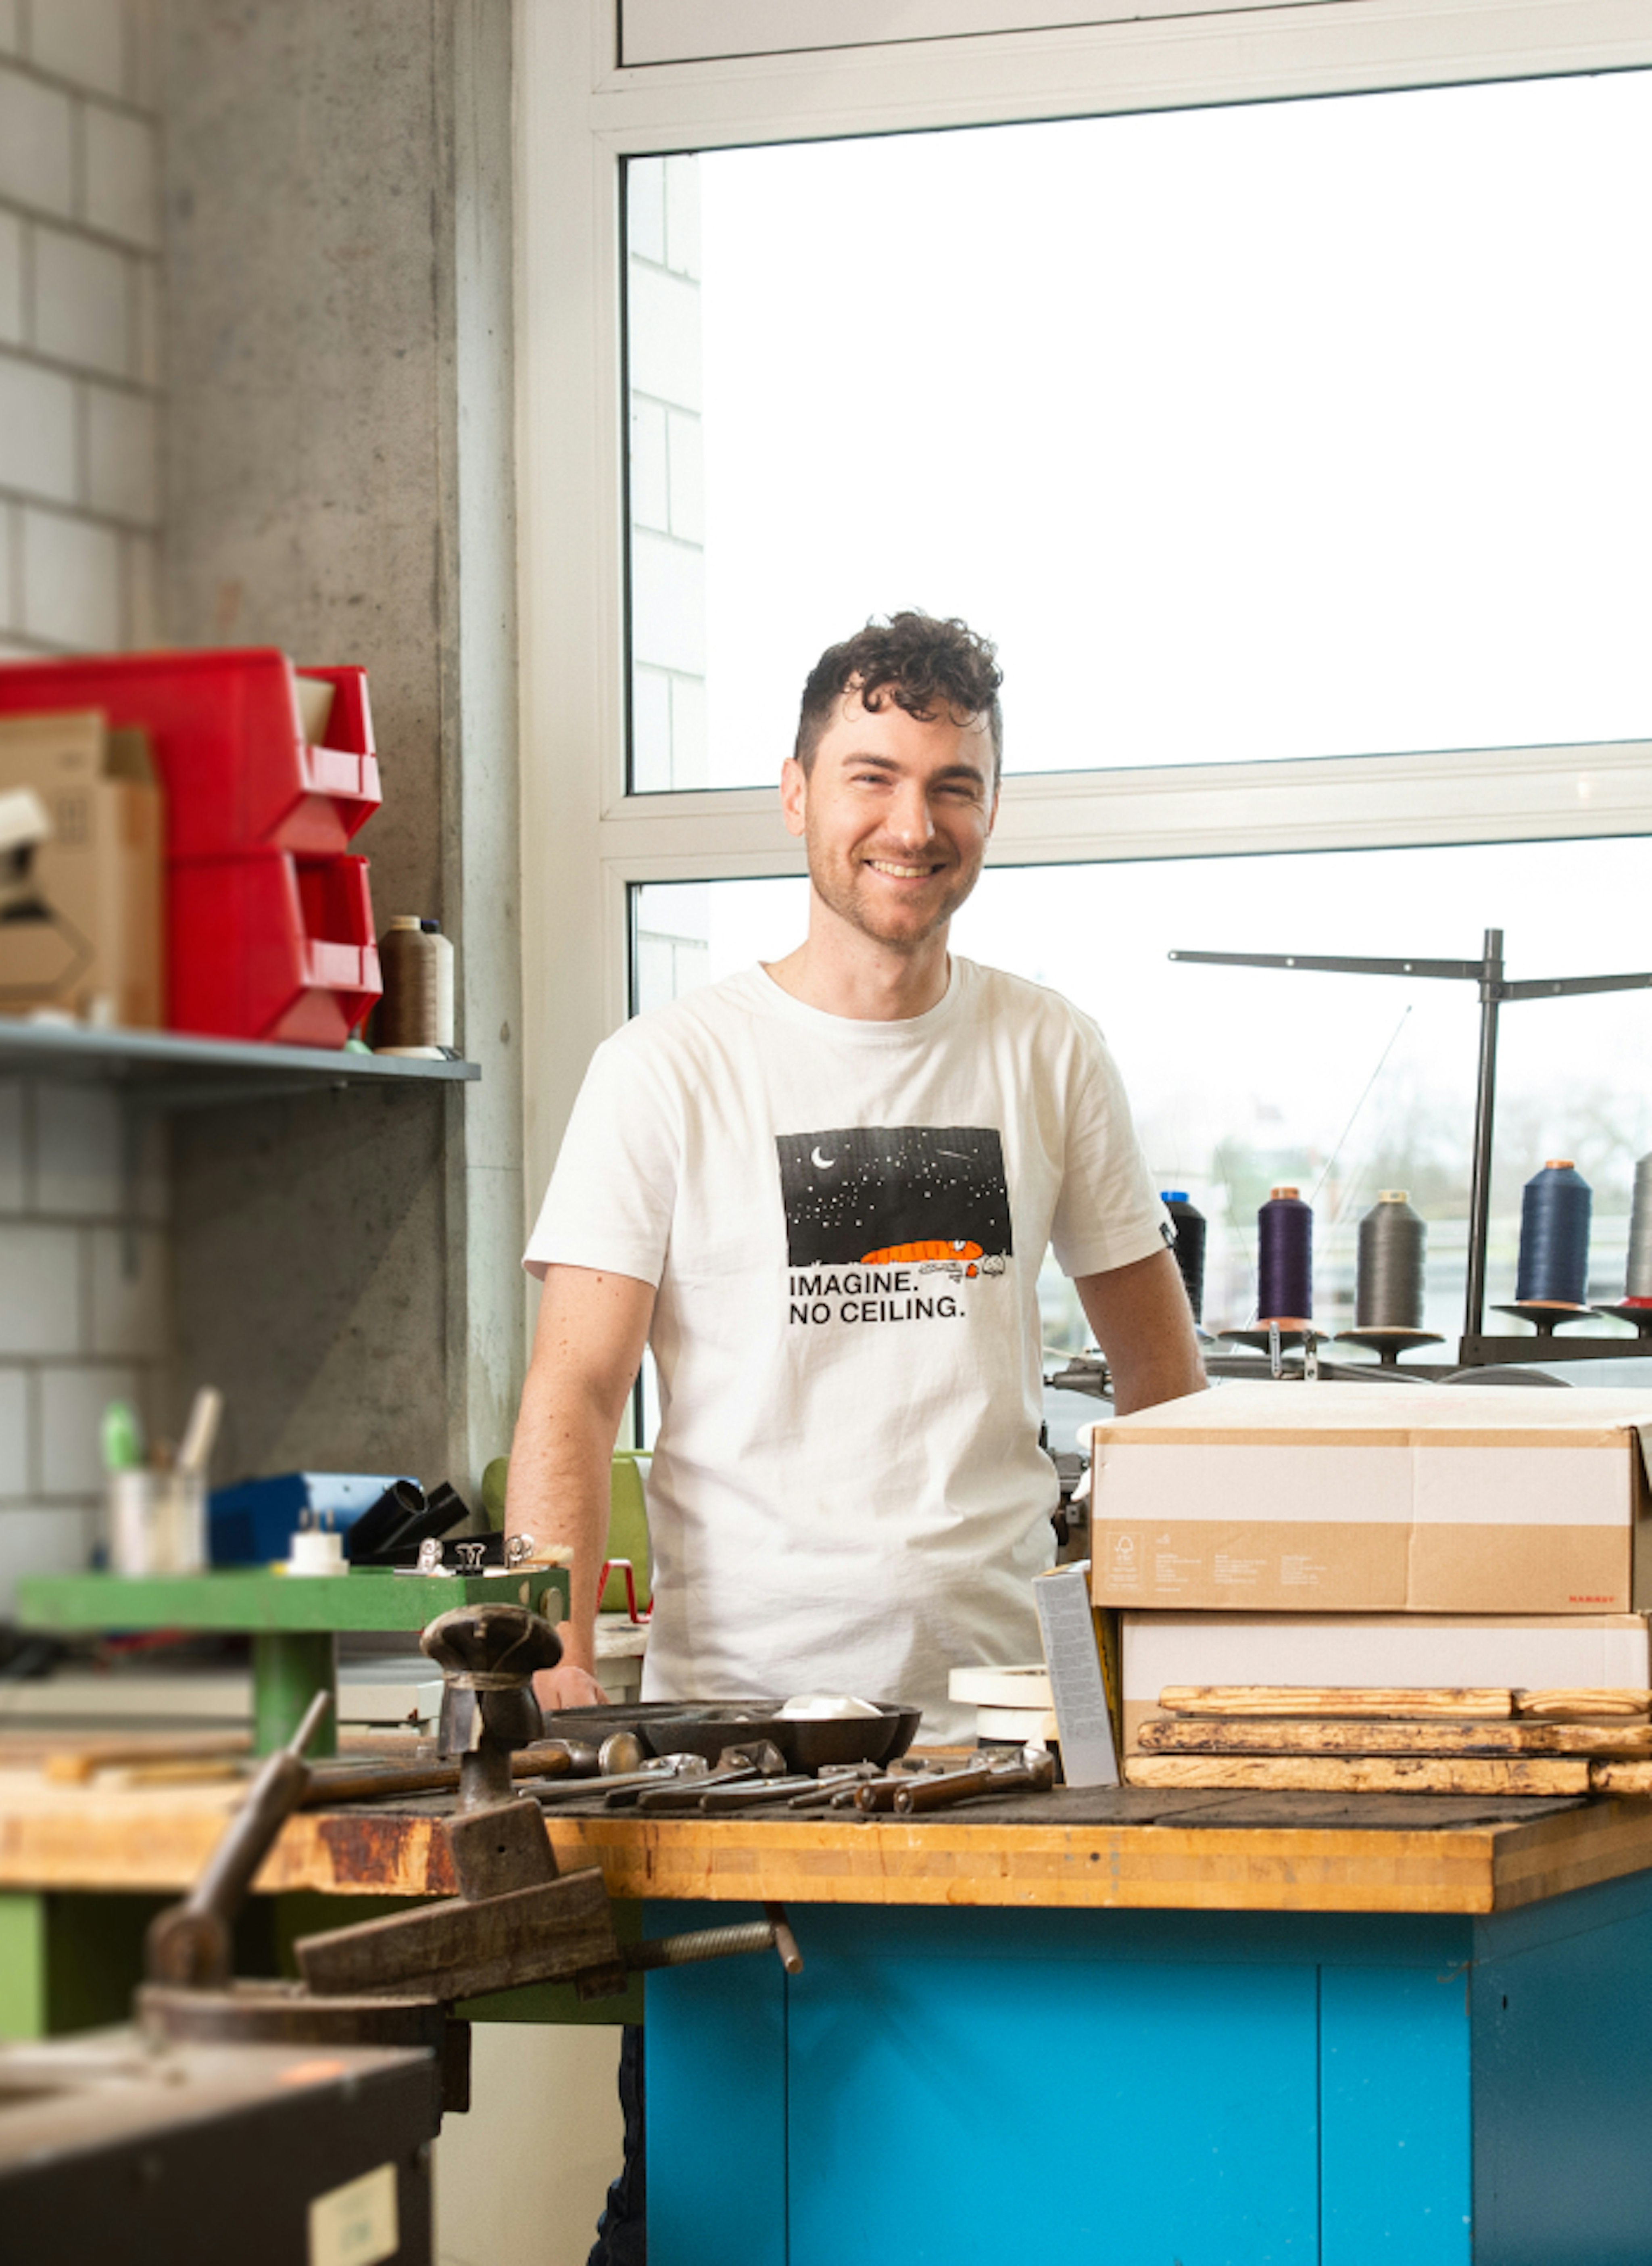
(896, 815)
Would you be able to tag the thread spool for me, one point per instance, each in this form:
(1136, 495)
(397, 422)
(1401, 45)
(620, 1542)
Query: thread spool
(1285, 1245)
(1555, 1214)
(1393, 1247)
(1638, 1281)
(414, 957)
(1188, 1247)
(444, 982)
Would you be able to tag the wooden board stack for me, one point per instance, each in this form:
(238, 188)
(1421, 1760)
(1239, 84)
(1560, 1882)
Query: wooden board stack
(1280, 1737)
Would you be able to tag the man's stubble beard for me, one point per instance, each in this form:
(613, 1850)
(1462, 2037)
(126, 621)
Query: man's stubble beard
(846, 904)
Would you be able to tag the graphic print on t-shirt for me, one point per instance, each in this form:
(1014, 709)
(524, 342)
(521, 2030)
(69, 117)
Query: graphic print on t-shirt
(880, 1217)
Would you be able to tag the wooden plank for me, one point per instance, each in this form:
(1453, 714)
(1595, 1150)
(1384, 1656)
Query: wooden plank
(1360, 1774)
(1484, 1705)
(1297, 1736)
(1580, 1706)
(1621, 1778)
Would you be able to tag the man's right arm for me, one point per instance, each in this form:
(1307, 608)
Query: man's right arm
(586, 1351)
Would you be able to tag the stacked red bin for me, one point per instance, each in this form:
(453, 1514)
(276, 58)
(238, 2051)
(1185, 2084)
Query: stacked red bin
(269, 924)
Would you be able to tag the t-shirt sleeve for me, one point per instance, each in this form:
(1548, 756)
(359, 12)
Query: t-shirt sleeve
(1109, 1214)
(611, 1195)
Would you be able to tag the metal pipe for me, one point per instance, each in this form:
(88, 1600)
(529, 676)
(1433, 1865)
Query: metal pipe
(1485, 1103)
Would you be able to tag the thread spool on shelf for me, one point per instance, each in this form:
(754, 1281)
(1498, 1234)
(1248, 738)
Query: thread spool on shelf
(1188, 1248)
(1637, 1290)
(415, 1015)
(1393, 1250)
(1553, 1277)
(1284, 1245)
(1390, 1280)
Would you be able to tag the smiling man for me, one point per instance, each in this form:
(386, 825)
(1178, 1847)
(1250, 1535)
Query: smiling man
(822, 1190)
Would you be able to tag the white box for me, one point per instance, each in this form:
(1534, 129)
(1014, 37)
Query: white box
(1348, 1498)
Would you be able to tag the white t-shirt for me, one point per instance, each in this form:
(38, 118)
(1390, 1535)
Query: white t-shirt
(845, 1221)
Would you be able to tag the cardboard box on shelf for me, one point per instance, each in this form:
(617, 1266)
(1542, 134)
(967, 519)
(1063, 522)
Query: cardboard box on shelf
(1352, 1498)
(1386, 1651)
(84, 935)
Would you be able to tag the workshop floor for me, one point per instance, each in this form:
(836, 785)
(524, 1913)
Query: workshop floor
(521, 2180)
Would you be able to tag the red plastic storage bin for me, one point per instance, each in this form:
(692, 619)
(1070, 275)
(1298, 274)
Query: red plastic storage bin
(266, 945)
(227, 741)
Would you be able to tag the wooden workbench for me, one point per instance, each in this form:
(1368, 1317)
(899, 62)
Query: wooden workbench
(1141, 2026)
(1135, 1848)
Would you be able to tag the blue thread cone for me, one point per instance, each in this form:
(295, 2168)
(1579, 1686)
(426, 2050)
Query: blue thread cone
(1284, 1245)
(1555, 1214)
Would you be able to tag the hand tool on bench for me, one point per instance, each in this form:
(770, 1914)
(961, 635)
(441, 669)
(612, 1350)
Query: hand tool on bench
(559, 1759)
(757, 1762)
(190, 1943)
(1032, 1772)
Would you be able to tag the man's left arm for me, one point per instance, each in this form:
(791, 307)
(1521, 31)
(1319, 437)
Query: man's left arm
(1144, 1323)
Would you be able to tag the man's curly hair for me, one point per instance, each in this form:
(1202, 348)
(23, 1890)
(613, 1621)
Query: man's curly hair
(922, 664)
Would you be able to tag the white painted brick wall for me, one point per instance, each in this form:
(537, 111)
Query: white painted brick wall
(84, 1293)
(10, 279)
(85, 1304)
(83, 309)
(81, 349)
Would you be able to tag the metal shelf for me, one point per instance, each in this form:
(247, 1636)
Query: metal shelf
(173, 1071)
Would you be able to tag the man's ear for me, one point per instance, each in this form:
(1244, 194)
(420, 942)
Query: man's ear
(793, 795)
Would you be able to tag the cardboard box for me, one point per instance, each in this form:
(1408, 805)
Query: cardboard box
(1353, 1498)
(89, 942)
(1403, 1651)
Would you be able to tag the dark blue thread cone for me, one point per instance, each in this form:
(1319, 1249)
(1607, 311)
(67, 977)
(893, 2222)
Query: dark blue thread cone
(1555, 1214)
(1285, 1245)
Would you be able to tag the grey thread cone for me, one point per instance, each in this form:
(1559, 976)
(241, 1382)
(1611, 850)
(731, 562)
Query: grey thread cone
(1638, 1282)
(1392, 1243)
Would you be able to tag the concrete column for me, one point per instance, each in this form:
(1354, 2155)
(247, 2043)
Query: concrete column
(340, 481)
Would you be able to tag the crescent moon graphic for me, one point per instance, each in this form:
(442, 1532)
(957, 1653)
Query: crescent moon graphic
(821, 1164)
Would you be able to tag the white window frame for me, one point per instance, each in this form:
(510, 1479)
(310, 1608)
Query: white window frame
(585, 840)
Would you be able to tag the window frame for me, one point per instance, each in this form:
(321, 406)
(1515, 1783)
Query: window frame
(585, 840)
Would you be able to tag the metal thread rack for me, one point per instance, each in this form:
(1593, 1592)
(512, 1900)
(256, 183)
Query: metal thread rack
(1477, 1350)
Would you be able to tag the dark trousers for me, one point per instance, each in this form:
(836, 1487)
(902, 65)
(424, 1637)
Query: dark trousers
(622, 2231)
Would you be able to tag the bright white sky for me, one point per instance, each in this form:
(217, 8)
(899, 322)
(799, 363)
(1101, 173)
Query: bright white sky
(1298, 428)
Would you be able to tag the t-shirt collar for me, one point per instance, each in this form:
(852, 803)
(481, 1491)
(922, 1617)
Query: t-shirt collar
(858, 1030)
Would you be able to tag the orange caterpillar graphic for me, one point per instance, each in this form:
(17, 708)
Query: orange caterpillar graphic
(933, 1251)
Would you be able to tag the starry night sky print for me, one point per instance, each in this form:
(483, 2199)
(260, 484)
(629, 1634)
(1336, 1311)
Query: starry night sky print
(867, 1189)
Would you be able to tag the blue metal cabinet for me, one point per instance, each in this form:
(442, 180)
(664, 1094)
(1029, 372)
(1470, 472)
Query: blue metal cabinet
(942, 2087)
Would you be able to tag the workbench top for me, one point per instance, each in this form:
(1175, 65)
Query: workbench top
(1130, 1848)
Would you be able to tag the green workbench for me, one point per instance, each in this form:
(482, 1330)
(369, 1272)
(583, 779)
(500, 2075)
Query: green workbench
(293, 1619)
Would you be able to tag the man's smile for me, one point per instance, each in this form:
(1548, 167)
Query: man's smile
(903, 873)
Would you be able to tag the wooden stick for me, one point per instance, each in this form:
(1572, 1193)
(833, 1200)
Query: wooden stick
(1169, 1735)
(78, 1766)
(1359, 1774)
(1312, 1699)
(1578, 1706)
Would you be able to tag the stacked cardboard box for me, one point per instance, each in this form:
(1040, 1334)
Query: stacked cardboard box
(81, 930)
(1346, 1536)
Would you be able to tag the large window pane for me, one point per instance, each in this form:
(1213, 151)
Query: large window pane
(1290, 429)
(1243, 1078)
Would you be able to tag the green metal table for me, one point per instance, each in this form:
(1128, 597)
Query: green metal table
(294, 1620)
